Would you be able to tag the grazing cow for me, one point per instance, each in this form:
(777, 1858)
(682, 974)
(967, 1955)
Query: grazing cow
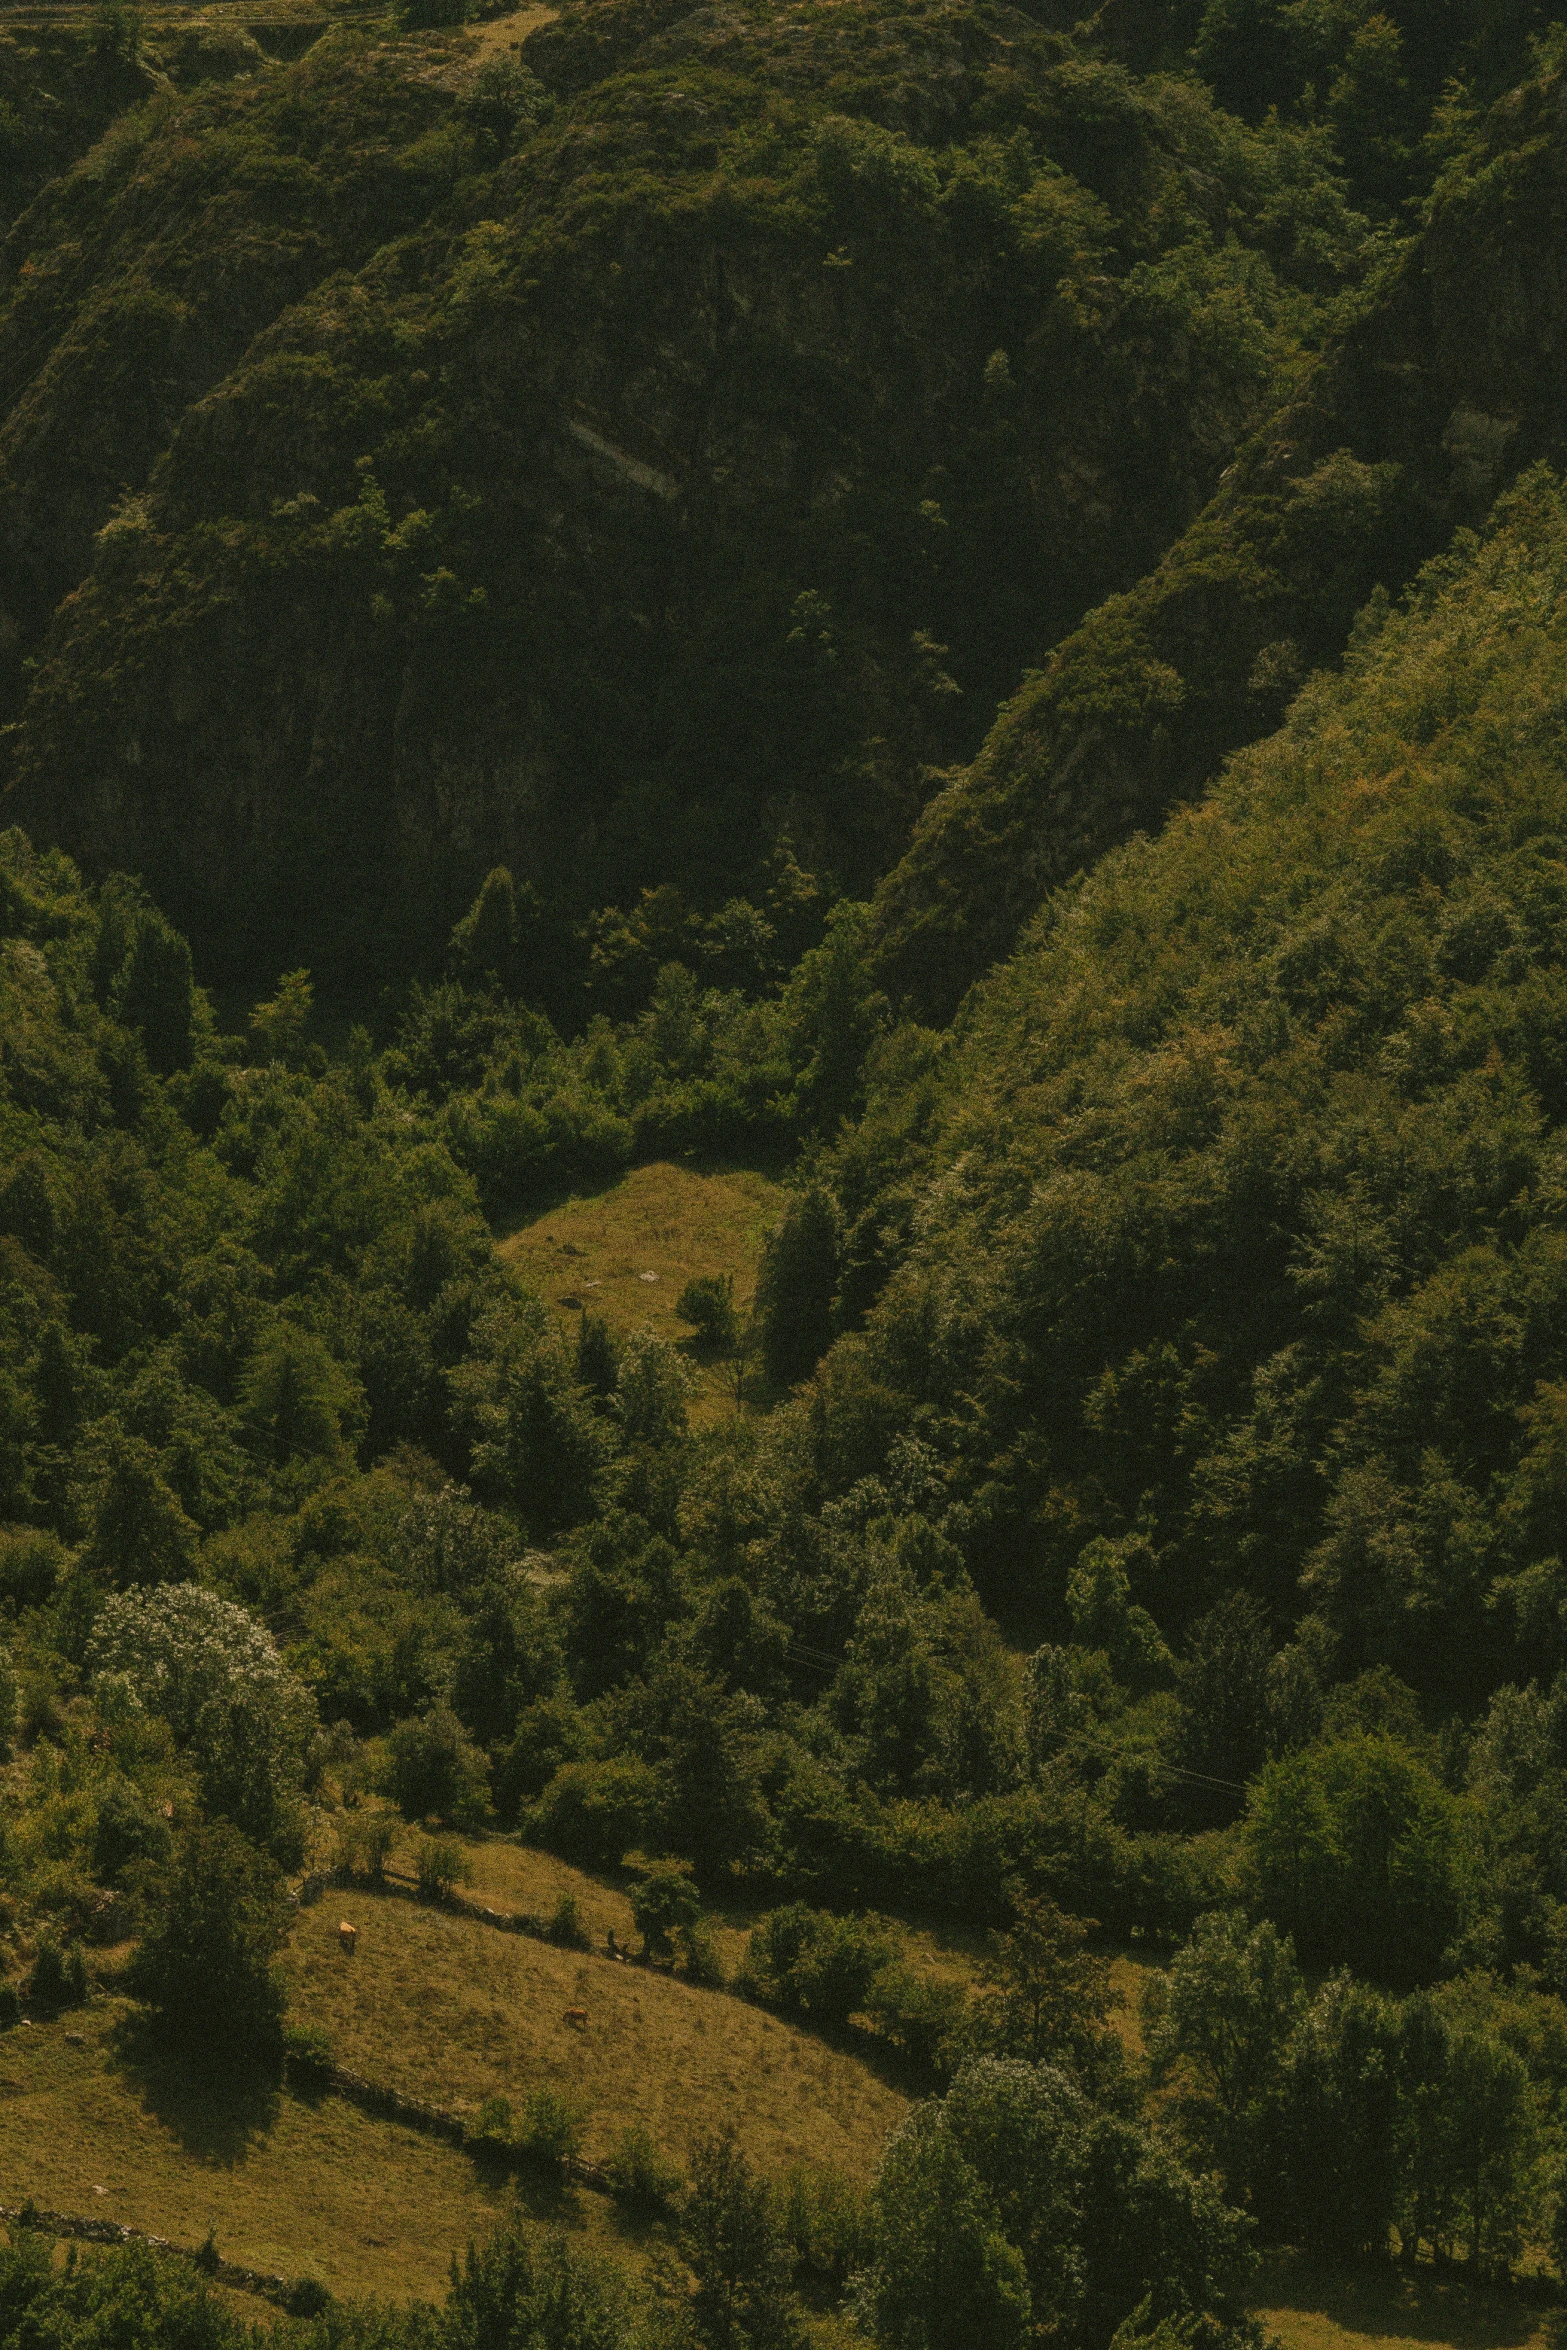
(347, 1935)
(577, 2017)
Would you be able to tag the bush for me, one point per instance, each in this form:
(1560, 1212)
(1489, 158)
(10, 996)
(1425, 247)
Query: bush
(566, 1926)
(364, 1844)
(664, 1905)
(307, 2298)
(551, 2129)
(215, 1921)
(441, 1865)
(823, 2218)
(708, 1304)
(492, 2132)
(639, 2174)
(697, 1955)
(59, 1977)
(10, 2006)
(593, 1811)
(309, 2054)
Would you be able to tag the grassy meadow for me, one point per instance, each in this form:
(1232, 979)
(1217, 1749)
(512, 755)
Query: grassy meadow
(450, 2011)
(626, 1253)
(291, 2185)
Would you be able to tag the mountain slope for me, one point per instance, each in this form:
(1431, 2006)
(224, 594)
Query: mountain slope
(1446, 384)
(1236, 1232)
(697, 464)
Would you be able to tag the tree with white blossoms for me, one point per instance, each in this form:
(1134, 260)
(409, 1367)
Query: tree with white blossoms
(215, 1676)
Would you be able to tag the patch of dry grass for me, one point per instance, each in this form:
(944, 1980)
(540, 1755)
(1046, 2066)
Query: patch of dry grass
(451, 2011)
(596, 1253)
(1308, 2307)
(285, 2184)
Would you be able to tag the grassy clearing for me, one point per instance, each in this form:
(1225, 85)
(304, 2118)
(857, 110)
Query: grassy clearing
(520, 1877)
(452, 2012)
(1311, 2308)
(666, 1220)
(293, 2186)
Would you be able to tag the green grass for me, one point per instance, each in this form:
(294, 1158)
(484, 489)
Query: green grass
(450, 2011)
(595, 1253)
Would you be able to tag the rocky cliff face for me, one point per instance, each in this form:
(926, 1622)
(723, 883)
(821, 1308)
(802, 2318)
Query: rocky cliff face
(613, 477)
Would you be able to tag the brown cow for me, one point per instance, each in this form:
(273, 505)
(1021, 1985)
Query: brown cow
(347, 1935)
(576, 2016)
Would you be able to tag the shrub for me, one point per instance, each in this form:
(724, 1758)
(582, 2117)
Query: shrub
(592, 1811)
(59, 1977)
(10, 2006)
(566, 1926)
(708, 1304)
(441, 1865)
(364, 1844)
(639, 2174)
(665, 1904)
(823, 2218)
(697, 1954)
(307, 2297)
(492, 2132)
(551, 2129)
(309, 2054)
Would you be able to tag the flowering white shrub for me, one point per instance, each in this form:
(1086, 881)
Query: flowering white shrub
(216, 1677)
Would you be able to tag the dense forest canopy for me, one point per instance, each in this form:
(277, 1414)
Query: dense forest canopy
(968, 610)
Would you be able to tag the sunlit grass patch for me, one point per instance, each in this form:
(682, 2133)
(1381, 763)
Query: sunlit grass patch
(1310, 2307)
(451, 2011)
(288, 2185)
(668, 1221)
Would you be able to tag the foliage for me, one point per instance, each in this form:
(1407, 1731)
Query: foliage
(440, 1866)
(215, 1676)
(216, 1916)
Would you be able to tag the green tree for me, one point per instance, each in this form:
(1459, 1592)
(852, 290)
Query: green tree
(215, 1676)
(1048, 1996)
(434, 1770)
(664, 1903)
(1226, 2011)
(650, 1391)
(707, 1302)
(140, 1534)
(1471, 2143)
(796, 1286)
(298, 1403)
(279, 1026)
(1222, 1683)
(1361, 1853)
(734, 2244)
(1099, 1602)
(484, 943)
(215, 1920)
(156, 994)
(1338, 2124)
(942, 2274)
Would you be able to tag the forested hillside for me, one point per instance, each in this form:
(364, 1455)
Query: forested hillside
(716, 415)
(900, 667)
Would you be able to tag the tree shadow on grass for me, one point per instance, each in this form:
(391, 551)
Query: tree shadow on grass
(1414, 2304)
(218, 2111)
